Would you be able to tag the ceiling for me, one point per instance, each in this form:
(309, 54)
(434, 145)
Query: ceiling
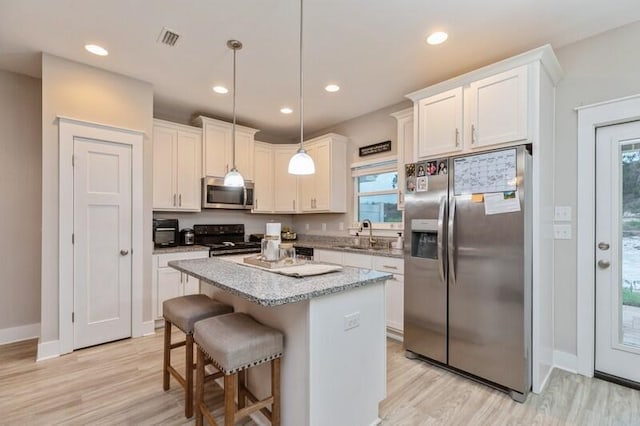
(374, 49)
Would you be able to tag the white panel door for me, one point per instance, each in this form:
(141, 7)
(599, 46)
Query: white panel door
(164, 168)
(188, 171)
(440, 124)
(618, 251)
(102, 232)
(498, 109)
(285, 198)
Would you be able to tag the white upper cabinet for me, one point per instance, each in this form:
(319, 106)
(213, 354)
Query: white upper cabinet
(325, 191)
(176, 167)
(497, 109)
(264, 182)
(484, 109)
(217, 150)
(404, 141)
(440, 123)
(285, 185)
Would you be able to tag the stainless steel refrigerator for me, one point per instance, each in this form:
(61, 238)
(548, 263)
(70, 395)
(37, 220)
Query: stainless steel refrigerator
(468, 266)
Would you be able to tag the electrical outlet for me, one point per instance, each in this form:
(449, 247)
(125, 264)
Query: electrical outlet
(352, 321)
(562, 232)
(562, 214)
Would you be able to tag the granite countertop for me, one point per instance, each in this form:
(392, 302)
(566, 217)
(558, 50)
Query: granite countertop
(397, 253)
(179, 249)
(272, 289)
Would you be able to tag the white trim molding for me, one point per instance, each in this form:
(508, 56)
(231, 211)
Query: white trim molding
(48, 350)
(69, 129)
(565, 361)
(590, 117)
(19, 333)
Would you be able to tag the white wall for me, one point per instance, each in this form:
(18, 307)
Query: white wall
(600, 68)
(377, 126)
(253, 223)
(20, 186)
(83, 92)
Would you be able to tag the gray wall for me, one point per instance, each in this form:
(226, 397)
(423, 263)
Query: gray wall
(367, 129)
(20, 186)
(600, 68)
(83, 92)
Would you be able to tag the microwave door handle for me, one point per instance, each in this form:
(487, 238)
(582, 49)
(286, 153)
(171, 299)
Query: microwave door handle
(451, 227)
(244, 191)
(441, 252)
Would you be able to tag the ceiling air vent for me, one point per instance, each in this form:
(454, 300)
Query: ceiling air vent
(168, 37)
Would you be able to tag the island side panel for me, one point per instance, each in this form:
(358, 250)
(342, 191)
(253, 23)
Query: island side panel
(292, 320)
(348, 367)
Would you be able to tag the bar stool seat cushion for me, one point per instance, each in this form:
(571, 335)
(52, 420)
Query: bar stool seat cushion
(237, 341)
(185, 311)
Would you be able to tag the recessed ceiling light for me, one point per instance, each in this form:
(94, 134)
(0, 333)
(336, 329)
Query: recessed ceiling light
(437, 37)
(286, 110)
(220, 89)
(332, 88)
(96, 50)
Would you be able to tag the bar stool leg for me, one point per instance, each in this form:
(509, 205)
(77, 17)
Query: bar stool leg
(242, 383)
(188, 403)
(167, 355)
(229, 396)
(275, 392)
(199, 386)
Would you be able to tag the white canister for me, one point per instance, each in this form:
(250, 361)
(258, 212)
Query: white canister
(273, 229)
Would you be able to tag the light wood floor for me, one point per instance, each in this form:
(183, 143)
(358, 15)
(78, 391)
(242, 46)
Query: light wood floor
(121, 383)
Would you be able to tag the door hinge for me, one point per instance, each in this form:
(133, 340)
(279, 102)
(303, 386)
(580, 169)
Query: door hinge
(73, 238)
(73, 317)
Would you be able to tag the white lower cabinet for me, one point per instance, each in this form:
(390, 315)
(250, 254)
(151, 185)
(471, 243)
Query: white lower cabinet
(169, 282)
(394, 287)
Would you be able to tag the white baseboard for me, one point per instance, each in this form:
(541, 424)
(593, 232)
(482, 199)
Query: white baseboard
(47, 350)
(395, 334)
(148, 328)
(20, 333)
(565, 361)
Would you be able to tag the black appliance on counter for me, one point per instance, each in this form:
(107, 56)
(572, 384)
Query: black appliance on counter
(165, 232)
(224, 239)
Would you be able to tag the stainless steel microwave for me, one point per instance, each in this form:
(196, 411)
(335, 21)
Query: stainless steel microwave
(217, 196)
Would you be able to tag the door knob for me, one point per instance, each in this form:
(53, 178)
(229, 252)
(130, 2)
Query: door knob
(604, 264)
(603, 246)
(124, 252)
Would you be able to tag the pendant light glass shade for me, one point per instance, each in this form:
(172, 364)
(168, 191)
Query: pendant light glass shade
(301, 163)
(233, 177)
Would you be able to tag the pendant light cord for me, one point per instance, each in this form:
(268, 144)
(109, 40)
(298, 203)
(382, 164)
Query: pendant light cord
(301, 81)
(233, 136)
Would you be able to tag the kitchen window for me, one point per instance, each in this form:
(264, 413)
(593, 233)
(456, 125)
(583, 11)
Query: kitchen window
(376, 194)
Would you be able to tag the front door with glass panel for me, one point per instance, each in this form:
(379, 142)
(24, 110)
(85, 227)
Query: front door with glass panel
(618, 251)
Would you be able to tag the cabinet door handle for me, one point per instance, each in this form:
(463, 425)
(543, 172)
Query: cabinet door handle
(180, 200)
(256, 204)
(457, 137)
(174, 200)
(294, 204)
(473, 134)
(390, 267)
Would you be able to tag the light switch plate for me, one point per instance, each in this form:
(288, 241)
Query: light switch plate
(562, 214)
(352, 321)
(562, 232)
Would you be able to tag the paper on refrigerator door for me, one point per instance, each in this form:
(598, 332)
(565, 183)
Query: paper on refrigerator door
(501, 202)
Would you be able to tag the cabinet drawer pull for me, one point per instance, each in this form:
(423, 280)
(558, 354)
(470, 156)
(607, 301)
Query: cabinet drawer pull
(390, 267)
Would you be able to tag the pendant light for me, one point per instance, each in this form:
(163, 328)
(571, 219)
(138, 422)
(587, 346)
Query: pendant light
(233, 177)
(301, 163)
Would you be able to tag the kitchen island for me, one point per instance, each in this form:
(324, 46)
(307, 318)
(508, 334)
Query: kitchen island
(334, 362)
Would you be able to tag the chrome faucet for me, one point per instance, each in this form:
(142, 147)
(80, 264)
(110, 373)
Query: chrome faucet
(372, 241)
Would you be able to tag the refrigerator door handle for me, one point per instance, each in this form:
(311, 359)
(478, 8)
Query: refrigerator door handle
(451, 224)
(441, 252)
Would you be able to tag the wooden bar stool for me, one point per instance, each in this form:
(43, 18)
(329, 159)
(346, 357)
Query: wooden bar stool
(184, 312)
(234, 343)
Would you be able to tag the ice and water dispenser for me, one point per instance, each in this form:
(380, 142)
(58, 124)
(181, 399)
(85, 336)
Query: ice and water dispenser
(424, 238)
